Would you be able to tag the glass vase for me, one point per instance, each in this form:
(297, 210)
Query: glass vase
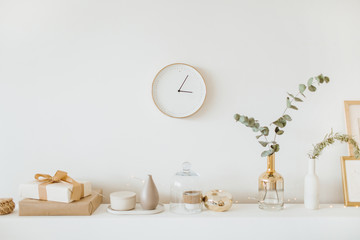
(271, 187)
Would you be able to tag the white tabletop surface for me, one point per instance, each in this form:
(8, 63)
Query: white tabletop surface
(245, 221)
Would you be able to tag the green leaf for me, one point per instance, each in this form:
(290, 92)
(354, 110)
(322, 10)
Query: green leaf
(267, 153)
(246, 121)
(310, 82)
(281, 122)
(275, 147)
(251, 122)
(302, 88)
(327, 80)
(298, 99)
(280, 132)
(264, 144)
(287, 117)
(312, 88)
(242, 119)
(264, 131)
(320, 78)
(278, 123)
(237, 117)
(288, 102)
(294, 107)
(259, 136)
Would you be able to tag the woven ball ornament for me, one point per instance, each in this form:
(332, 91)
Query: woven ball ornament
(7, 205)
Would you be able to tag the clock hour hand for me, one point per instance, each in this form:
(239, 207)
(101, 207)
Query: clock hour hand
(183, 83)
(184, 91)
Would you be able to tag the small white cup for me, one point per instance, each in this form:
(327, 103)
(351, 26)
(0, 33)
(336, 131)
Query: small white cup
(123, 200)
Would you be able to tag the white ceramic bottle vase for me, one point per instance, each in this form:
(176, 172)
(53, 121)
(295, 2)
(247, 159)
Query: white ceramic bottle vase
(311, 187)
(149, 197)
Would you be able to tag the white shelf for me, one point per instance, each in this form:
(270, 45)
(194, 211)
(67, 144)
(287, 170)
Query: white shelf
(243, 221)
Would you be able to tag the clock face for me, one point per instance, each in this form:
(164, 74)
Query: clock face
(179, 90)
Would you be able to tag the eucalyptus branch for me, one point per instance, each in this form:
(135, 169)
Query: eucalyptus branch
(281, 122)
(329, 139)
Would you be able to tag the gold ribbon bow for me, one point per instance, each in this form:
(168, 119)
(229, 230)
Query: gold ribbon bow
(60, 176)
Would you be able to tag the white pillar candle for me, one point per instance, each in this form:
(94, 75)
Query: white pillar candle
(123, 200)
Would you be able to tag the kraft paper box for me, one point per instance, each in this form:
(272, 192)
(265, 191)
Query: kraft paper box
(84, 207)
(58, 192)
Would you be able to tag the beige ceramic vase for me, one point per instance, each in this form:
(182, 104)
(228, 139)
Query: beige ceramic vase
(149, 197)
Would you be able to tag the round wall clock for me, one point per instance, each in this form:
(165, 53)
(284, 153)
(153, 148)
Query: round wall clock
(178, 90)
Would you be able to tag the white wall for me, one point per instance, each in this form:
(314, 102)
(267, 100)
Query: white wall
(75, 89)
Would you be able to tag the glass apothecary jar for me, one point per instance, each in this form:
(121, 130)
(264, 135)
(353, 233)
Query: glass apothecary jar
(186, 195)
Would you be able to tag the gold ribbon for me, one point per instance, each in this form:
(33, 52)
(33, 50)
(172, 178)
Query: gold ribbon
(60, 176)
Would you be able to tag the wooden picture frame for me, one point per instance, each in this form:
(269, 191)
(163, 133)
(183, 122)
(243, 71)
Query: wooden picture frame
(352, 118)
(350, 169)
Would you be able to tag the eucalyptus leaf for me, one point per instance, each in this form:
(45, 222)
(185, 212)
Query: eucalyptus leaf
(294, 107)
(288, 102)
(277, 129)
(287, 117)
(310, 82)
(302, 88)
(321, 78)
(259, 136)
(246, 121)
(278, 123)
(264, 144)
(298, 99)
(280, 132)
(265, 131)
(237, 117)
(267, 153)
(275, 147)
(312, 88)
(326, 79)
(251, 122)
(242, 119)
(291, 95)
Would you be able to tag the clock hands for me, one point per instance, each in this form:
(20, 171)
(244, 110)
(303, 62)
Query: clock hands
(183, 83)
(179, 90)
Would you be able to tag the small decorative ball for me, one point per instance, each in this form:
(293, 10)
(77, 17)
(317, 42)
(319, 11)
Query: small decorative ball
(7, 205)
(218, 200)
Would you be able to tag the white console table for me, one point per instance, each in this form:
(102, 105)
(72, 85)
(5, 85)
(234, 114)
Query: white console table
(243, 221)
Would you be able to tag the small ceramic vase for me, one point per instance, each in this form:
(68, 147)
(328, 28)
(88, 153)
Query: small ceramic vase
(149, 197)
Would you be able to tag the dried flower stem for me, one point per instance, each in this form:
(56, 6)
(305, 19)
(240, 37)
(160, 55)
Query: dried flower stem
(329, 140)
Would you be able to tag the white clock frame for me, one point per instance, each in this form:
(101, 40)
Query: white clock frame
(161, 109)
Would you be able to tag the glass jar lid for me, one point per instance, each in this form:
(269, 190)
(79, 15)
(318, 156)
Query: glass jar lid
(186, 171)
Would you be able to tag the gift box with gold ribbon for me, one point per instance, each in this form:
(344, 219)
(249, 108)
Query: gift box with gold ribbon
(58, 188)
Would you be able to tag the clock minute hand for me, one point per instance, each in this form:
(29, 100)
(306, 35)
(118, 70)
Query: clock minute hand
(183, 83)
(185, 91)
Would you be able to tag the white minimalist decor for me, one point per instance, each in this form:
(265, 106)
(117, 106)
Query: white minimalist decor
(311, 187)
(122, 201)
(179, 90)
(138, 210)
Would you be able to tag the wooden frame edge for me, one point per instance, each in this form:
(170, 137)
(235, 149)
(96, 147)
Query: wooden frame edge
(347, 121)
(344, 182)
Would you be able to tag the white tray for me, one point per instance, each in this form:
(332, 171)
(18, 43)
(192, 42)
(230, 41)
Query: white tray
(137, 211)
